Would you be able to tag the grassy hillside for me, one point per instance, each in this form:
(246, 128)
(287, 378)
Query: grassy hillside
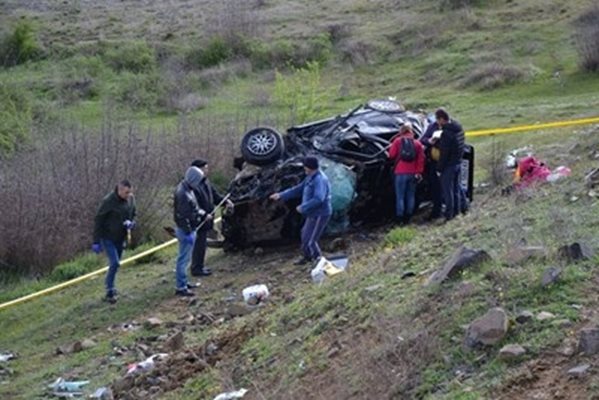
(367, 333)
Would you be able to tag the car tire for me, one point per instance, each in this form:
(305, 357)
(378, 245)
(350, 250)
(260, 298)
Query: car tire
(262, 146)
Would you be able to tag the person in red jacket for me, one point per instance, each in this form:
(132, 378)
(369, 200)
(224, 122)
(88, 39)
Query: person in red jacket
(408, 155)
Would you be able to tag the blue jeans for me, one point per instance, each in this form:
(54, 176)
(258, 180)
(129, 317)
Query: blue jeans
(183, 258)
(405, 195)
(114, 251)
(311, 233)
(452, 190)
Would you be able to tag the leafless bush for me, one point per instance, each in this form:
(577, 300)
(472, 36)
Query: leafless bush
(51, 191)
(494, 165)
(587, 38)
(493, 75)
(234, 21)
(358, 52)
(216, 76)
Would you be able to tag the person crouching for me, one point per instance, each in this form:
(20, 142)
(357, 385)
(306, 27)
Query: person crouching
(316, 207)
(408, 155)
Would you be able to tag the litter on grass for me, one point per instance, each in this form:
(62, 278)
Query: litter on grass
(255, 294)
(329, 267)
(232, 395)
(145, 365)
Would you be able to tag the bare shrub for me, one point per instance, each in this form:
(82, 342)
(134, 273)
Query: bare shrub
(50, 192)
(494, 165)
(235, 22)
(358, 52)
(587, 38)
(493, 75)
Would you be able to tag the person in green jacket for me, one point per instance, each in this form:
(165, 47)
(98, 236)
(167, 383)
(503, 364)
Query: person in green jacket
(114, 220)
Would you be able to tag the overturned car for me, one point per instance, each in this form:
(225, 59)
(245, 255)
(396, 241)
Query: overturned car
(353, 153)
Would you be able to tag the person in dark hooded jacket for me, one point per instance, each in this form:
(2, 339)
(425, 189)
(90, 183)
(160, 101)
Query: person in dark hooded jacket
(207, 197)
(188, 217)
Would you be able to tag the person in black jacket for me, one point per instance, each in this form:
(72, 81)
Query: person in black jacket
(188, 217)
(207, 197)
(115, 217)
(451, 148)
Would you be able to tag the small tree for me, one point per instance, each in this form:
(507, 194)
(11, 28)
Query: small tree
(587, 39)
(19, 46)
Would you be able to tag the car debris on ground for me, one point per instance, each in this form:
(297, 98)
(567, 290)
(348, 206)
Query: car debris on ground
(328, 267)
(5, 357)
(232, 395)
(145, 365)
(67, 389)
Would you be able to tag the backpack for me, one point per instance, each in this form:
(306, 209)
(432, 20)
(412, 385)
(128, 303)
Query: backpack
(408, 150)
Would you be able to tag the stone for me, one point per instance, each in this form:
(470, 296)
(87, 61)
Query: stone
(511, 351)
(374, 288)
(88, 344)
(153, 322)
(238, 310)
(550, 276)
(544, 315)
(592, 178)
(211, 349)
(488, 329)
(579, 371)
(562, 323)
(574, 252)
(75, 347)
(408, 274)
(175, 342)
(588, 341)
(524, 317)
(258, 251)
(333, 352)
(520, 254)
(461, 259)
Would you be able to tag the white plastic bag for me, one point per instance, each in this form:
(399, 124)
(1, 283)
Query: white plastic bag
(255, 294)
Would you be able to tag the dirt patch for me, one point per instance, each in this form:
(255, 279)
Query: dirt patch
(546, 378)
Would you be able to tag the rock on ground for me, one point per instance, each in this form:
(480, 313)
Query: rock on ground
(550, 276)
(574, 252)
(588, 342)
(579, 371)
(488, 329)
(520, 254)
(511, 351)
(460, 260)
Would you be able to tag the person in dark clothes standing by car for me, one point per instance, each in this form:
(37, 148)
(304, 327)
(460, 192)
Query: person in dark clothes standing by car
(451, 148)
(114, 219)
(207, 197)
(316, 207)
(188, 217)
(430, 170)
(408, 155)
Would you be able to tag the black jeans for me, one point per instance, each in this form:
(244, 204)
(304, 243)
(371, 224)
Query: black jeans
(452, 190)
(434, 187)
(199, 251)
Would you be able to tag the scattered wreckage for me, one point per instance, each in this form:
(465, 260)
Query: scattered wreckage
(353, 152)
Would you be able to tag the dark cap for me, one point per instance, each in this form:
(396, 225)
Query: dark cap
(310, 162)
(199, 163)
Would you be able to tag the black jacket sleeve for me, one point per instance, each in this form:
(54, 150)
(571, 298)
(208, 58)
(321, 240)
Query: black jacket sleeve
(101, 216)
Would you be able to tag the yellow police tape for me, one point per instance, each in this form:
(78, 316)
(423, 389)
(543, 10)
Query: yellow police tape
(482, 132)
(524, 128)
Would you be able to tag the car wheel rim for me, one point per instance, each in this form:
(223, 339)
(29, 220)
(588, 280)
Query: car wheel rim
(261, 143)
